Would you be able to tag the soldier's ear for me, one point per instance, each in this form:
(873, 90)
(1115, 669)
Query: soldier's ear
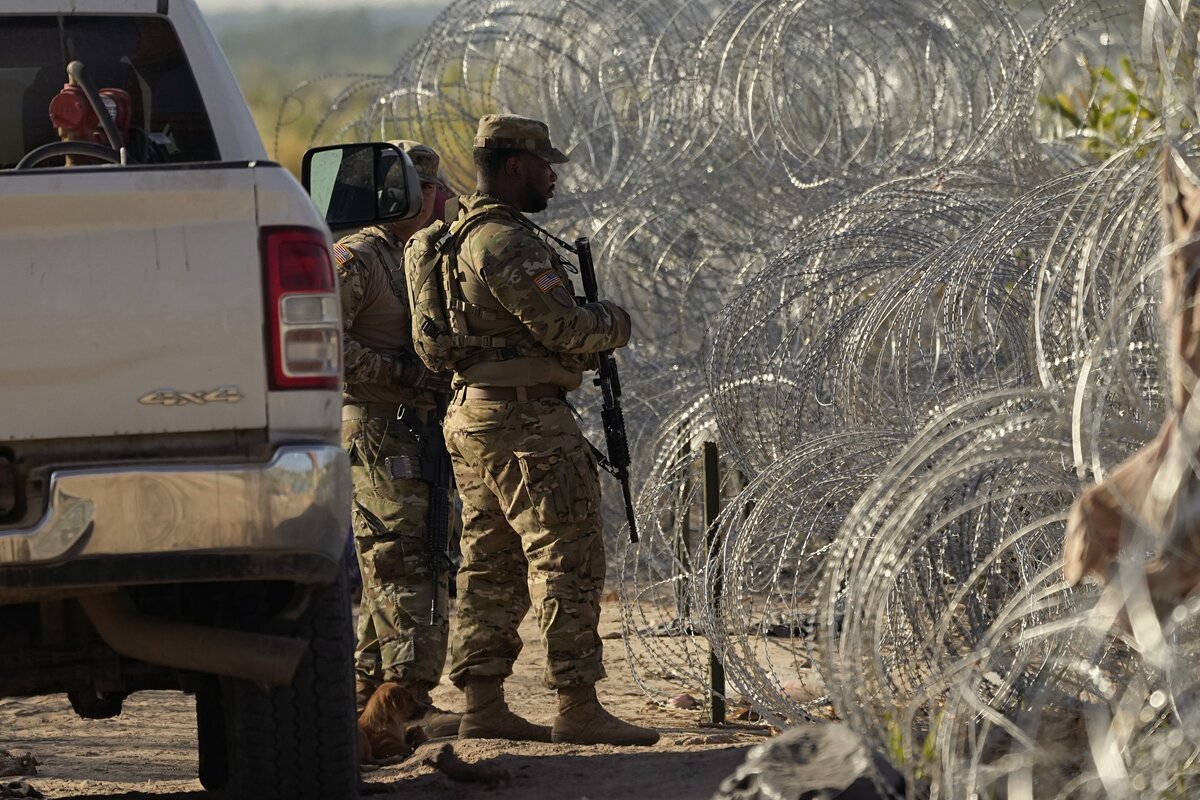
(514, 167)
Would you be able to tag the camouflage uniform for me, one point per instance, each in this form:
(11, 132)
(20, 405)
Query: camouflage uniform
(387, 393)
(527, 479)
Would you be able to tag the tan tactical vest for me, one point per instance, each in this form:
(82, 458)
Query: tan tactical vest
(382, 320)
(527, 362)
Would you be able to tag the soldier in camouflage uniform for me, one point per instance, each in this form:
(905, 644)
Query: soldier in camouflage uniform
(388, 397)
(527, 479)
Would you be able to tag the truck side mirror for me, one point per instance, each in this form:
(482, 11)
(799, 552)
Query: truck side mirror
(354, 185)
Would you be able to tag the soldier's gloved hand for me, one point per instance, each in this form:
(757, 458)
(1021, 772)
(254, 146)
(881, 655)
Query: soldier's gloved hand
(409, 371)
(438, 382)
(584, 362)
(621, 320)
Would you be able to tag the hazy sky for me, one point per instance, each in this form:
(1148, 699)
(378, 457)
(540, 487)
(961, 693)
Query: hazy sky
(250, 5)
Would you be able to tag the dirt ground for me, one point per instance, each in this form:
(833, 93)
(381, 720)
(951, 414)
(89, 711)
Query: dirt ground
(150, 750)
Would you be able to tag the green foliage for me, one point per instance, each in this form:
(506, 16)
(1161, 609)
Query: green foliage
(273, 52)
(922, 762)
(1106, 111)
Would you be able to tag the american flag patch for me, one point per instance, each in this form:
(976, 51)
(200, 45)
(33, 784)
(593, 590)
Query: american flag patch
(547, 281)
(342, 253)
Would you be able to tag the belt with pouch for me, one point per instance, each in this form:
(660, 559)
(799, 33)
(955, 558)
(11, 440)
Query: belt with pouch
(351, 411)
(539, 391)
(398, 467)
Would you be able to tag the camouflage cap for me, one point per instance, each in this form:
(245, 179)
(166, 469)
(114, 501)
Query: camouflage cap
(423, 157)
(510, 132)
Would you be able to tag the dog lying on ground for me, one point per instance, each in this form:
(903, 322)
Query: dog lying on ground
(1156, 491)
(385, 730)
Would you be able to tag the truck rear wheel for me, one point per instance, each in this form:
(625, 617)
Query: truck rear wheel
(298, 741)
(212, 736)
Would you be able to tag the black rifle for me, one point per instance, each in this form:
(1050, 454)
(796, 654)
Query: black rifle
(436, 471)
(615, 440)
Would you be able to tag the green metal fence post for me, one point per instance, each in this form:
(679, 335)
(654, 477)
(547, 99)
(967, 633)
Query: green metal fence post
(712, 508)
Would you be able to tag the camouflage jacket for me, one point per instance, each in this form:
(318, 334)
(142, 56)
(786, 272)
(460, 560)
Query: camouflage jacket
(525, 295)
(380, 364)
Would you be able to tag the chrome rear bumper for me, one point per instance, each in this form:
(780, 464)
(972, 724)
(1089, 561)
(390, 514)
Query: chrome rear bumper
(298, 503)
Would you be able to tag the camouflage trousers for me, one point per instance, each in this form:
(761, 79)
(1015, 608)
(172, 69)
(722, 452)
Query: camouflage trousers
(396, 641)
(531, 538)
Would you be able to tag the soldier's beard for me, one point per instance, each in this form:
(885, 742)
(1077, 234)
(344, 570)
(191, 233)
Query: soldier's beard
(533, 201)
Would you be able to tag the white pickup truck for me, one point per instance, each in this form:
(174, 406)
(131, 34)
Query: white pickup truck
(174, 502)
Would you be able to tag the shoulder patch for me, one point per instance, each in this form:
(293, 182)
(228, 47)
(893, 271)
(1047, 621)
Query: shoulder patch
(342, 253)
(563, 297)
(547, 281)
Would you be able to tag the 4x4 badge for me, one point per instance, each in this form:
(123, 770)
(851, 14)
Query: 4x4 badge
(171, 397)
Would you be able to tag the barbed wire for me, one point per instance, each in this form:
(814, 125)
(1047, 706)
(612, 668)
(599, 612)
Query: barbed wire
(916, 325)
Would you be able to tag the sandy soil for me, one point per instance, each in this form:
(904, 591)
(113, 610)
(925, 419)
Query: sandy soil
(150, 750)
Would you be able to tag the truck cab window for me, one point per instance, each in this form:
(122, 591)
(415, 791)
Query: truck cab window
(153, 96)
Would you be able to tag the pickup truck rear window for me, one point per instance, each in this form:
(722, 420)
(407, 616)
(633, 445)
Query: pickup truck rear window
(165, 119)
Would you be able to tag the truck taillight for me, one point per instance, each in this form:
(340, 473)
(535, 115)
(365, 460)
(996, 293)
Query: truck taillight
(305, 334)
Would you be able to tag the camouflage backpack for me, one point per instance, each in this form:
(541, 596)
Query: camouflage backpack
(439, 326)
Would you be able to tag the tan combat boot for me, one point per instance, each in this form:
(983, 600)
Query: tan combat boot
(582, 720)
(488, 716)
(435, 721)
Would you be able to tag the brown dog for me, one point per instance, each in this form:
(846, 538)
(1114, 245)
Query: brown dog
(1156, 491)
(383, 729)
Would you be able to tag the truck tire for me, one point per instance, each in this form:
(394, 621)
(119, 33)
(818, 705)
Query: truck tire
(212, 737)
(298, 742)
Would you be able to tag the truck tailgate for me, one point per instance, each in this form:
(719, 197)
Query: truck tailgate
(131, 302)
